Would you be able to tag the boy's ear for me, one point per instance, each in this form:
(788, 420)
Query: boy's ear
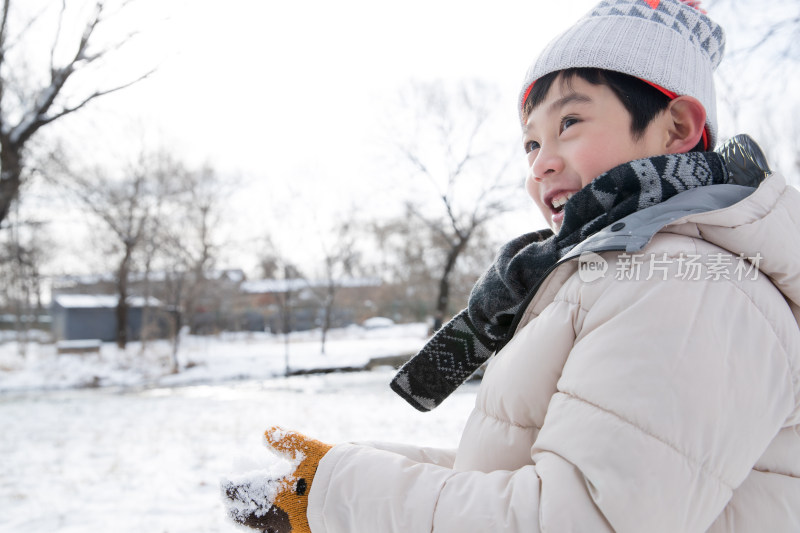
(686, 118)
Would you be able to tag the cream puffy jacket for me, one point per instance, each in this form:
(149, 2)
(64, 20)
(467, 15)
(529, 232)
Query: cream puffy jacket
(654, 398)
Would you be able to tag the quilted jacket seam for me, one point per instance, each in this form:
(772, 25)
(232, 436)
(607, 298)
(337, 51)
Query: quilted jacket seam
(701, 466)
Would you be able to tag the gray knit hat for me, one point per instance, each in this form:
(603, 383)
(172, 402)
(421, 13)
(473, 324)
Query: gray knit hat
(669, 43)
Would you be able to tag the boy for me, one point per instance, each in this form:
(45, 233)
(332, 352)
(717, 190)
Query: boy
(657, 392)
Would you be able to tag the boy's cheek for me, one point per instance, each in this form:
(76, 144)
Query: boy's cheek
(532, 188)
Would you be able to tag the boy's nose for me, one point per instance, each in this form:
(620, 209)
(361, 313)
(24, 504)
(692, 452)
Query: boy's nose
(546, 164)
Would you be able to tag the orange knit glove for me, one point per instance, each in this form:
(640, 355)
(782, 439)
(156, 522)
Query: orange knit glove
(278, 505)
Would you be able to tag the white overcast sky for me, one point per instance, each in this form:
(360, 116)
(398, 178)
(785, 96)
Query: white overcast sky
(291, 96)
(301, 80)
(301, 92)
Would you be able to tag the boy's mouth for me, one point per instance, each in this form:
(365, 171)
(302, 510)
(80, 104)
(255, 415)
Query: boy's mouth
(558, 200)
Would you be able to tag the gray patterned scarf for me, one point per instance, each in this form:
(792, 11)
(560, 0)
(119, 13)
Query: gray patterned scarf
(462, 345)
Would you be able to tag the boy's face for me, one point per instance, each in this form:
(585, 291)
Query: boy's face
(578, 132)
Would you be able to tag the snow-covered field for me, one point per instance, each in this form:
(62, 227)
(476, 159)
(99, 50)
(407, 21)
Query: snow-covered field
(203, 360)
(148, 458)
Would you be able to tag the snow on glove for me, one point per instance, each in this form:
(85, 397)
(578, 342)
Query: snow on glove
(277, 504)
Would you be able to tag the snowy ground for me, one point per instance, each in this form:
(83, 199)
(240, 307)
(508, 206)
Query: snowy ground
(148, 459)
(212, 359)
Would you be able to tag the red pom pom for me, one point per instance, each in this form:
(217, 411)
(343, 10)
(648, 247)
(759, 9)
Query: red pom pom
(695, 4)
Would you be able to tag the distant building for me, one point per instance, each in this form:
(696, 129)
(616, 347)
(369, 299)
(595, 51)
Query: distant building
(93, 316)
(83, 307)
(204, 304)
(263, 303)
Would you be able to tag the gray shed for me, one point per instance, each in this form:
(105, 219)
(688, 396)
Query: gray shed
(92, 316)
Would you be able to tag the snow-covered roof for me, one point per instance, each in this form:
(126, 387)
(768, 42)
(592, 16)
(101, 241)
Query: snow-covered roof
(234, 275)
(264, 286)
(93, 301)
(260, 286)
(82, 279)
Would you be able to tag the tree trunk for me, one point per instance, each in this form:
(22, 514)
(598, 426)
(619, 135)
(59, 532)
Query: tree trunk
(176, 319)
(10, 176)
(177, 324)
(144, 334)
(443, 300)
(327, 311)
(122, 293)
(285, 302)
(122, 319)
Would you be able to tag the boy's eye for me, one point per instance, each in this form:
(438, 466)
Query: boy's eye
(530, 146)
(566, 122)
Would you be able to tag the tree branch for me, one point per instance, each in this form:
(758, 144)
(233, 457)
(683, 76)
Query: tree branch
(490, 209)
(88, 30)
(434, 225)
(57, 36)
(25, 28)
(774, 29)
(3, 27)
(23, 131)
(37, 117)
(448, 205)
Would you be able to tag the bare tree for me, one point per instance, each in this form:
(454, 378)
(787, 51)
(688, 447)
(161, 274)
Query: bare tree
(125, 211)
(772, 31)
(25, 109)
(289, 283)
(452, 147)
(759, 73)
(187, 242)
(21, 258)
(151, 251)
(411, 272)
(340, 258)
(189, 232)
(125, 202)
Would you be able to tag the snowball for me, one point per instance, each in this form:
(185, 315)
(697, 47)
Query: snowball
(255, 480)
(250, 494)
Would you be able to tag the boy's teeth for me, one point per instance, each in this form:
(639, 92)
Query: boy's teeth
(561, 200)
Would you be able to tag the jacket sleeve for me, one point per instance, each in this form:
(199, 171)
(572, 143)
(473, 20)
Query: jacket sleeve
(669, 396)
(421, 454)
(362, 489)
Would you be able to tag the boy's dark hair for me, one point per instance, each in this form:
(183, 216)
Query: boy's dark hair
(642, 101)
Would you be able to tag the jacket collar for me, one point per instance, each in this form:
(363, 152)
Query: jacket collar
(633, 232)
